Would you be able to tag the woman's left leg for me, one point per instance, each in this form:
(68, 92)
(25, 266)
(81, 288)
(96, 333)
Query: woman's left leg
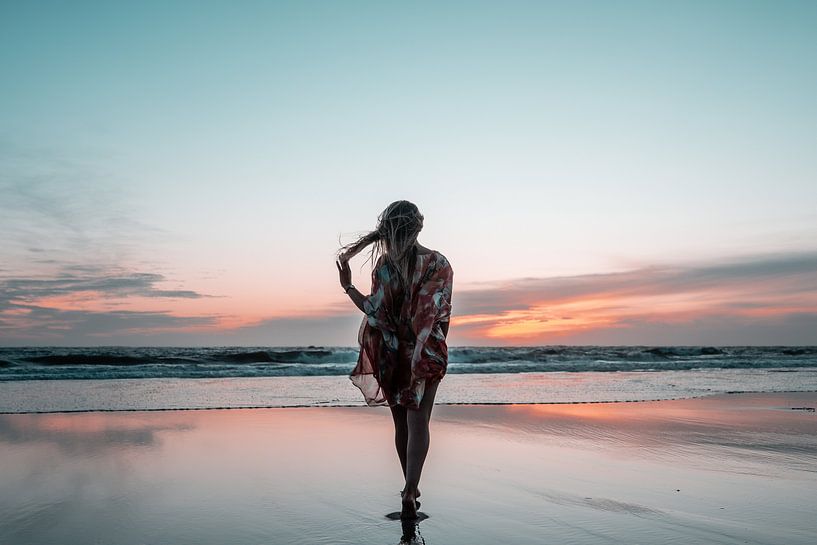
(398, 414)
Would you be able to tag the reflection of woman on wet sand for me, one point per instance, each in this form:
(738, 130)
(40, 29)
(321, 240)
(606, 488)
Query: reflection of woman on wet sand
(403, 351)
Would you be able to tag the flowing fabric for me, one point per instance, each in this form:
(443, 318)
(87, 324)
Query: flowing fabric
(402, 345)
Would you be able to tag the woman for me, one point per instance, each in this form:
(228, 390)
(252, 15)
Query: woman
(403, 351)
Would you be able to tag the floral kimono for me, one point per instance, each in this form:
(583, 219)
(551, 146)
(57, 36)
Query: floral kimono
(402, 345)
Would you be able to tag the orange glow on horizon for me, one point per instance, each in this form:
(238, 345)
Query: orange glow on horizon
(548, 320)
(537, 310)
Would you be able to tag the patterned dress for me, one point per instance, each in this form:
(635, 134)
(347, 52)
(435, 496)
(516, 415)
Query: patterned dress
(402, 345)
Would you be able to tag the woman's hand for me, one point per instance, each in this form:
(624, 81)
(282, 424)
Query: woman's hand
(344, 271)
(346, 278)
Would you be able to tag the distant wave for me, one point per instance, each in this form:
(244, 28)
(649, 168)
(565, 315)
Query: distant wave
(87, 359)
(275, 356)
(125, 362)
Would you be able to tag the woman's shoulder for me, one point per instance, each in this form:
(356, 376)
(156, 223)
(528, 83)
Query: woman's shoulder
(442, 261)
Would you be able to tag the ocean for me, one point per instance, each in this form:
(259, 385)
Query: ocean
(41, 379)
(44, 363)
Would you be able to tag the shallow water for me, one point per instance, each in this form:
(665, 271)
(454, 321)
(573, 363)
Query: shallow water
(726, 469)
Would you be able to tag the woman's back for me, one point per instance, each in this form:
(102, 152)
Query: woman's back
(401, 338)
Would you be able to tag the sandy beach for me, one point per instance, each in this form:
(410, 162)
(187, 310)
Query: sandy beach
(721, 469)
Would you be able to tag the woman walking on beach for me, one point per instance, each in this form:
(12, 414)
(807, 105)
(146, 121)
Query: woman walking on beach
(403, 351)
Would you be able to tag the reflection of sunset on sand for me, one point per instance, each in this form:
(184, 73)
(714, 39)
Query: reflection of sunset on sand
(724, 469)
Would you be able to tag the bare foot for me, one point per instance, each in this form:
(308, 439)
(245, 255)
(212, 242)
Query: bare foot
(409, 511)
(416, 496)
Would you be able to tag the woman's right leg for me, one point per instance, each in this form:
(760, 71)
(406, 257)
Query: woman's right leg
(417, 448)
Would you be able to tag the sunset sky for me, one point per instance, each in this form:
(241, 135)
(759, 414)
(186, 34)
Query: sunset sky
(596, 173)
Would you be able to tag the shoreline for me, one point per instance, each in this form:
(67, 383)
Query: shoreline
(436, 404)
(79, 395)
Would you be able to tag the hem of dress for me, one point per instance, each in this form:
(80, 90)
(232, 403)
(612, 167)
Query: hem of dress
(373, 402)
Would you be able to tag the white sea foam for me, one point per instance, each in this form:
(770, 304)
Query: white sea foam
(553, 387)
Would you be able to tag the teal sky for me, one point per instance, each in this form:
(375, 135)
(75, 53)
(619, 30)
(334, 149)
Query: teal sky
(224, 147)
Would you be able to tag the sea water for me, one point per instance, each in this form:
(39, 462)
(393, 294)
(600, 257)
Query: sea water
(155, 378)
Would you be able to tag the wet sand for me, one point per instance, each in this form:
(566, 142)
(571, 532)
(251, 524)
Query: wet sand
(722, 469)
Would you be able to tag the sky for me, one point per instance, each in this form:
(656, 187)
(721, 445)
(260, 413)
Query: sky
(182, 173)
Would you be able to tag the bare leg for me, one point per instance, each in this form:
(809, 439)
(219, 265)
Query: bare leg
(417, 448)
(398, 413)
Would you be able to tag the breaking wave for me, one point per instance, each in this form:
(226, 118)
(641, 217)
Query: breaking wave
(38, 363)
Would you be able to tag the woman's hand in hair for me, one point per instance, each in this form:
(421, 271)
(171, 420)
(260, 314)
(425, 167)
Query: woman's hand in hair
(344, 272)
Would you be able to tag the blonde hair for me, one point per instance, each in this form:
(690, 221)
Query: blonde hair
(393, 239)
